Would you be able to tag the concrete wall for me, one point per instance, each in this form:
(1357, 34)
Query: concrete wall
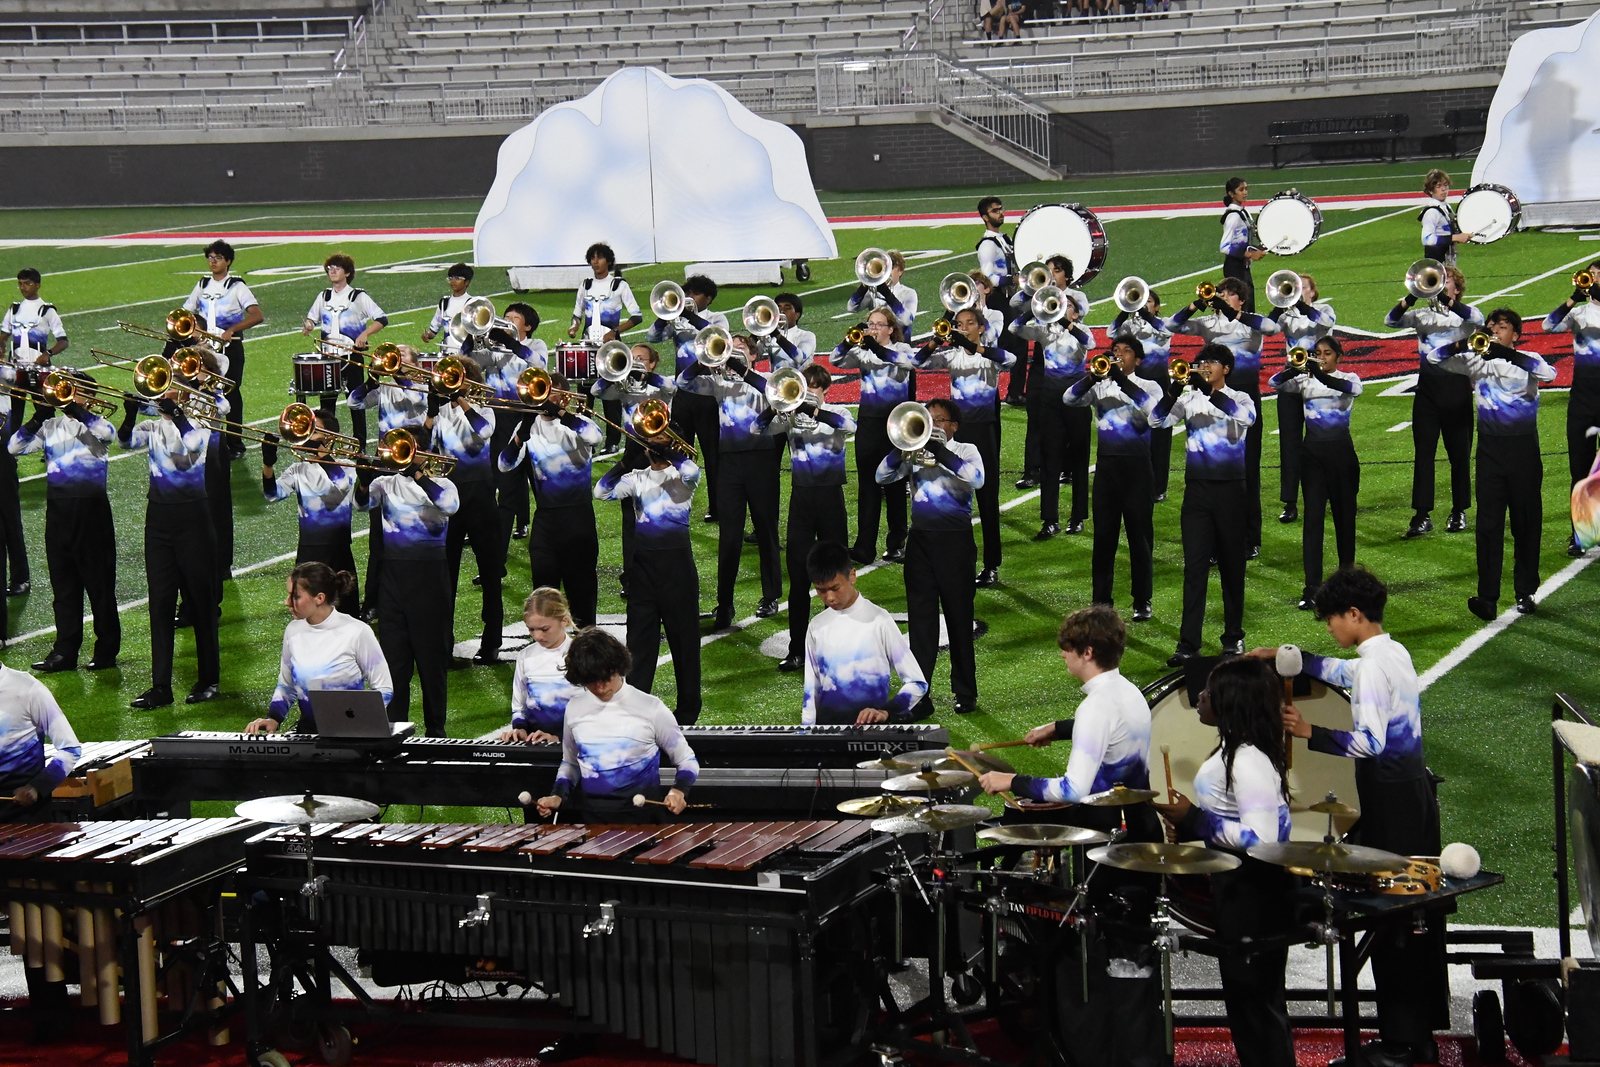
(898, 157)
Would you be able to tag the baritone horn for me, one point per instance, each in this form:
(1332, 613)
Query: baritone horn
(667, 300)
(1132, 293)
(957, 292)
(873, 266)
(761, 316)
(1049, 305)
(910, 429)
(615, 361)
(1036, 276)
(653, 422)
(1425, 279)
(1284, 288)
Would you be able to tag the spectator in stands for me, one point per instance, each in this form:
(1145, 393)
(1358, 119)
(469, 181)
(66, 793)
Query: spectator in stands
(1004, 14)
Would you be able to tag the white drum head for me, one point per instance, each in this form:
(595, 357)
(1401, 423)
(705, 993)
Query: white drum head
(1486, 214)
(1287, 225)
(1055, 230)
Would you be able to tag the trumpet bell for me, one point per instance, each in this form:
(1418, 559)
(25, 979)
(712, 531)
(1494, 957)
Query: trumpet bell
(1284, 288)
(910, 426)
(1133, 293)
(615, 361)
(1297, 357)
(1049, 305)
(1178, 369)
(1583, 280)
(1205, 291)
(873, 266)
(1479, 342)
(712, 346)
(1425, 279)
(1036, 276)
(786, 390)
(667, 300)
(1100, 366)
(957, 293)
(761, 316)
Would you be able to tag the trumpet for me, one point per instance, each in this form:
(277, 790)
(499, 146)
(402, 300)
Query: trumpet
(397, 449)
(451, 377)
(942, 329)
(856, 335)
(1284, 289)
(1132, 293)
(1178, 369)
(615, 360)
(1584, 279)
(957, 293)
(761, 316)
(653, 423)
(667, 300)
(1100, 366)
(298, 424)
(1205, 291)
(910, 429)
(1425, 279)
(1049, 305)
(713, 346)
(1036, 276)
(1480, 342)
(873, 267)
(1298, 359)
(181, 326)
(788, 395)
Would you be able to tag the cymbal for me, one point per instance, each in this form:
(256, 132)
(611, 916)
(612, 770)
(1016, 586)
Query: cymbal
(1159, 857)
(1028, 804)
(1119, 796)
(1331, 857)
(301, 810)
(1333, 807)
(914, 760)
(933, 819)
(1042, 835)
(878, 807)
(981, 760)
(887, 763)
(927, 781)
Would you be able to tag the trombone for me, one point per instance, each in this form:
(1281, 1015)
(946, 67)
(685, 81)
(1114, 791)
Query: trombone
(298, 425)
(451, 377)
(1036, 276)
(397, 449)
(1284, 288)
(1132, 293)
(873, 267)
(181, 326)
(537, 389)
(910, 429)
(389, 360)
(61, 389)
(1425, 279)
(957, 293)
(653, 424)
(154, 376)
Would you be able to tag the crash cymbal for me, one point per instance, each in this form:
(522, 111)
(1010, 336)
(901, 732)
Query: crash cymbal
(1159, 857)
(1027, 804)
(1333, 807)
(300, 810)
(1119, 796)
(916, 759)
(981, 760)
(879, 807)
(1042, 835)
(927, 781)
(1331, 857)
(934, 819)
(887, 763)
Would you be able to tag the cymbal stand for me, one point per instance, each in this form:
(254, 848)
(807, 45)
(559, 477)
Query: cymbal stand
(1166, 942)
(1326, 932)
(899, 875)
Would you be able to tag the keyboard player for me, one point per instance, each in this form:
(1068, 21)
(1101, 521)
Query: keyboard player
(29, 715)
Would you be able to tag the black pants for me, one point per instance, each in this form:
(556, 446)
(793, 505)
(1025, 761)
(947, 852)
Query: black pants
(1160, 442)
(219, 498)
(632, 460)
(1017, 380)
(80, 549)
(563, 552)
(1032, 439)
(1442, 407)
(1249, 383)
(939, 575)
(510, 487)
(1122, 498)
(478, 521)
(1064, 446)
(748, 480)
(374, 561)
(338, 555)
(1583, 411)
(695, 419)
(11, 506)
(1239, 267)
(180, 555)
(1510, 477)
(414, 617)
(353, 375)
(1332, 477)
(986, 435)
(1255, 901)
(872, 499)
(816, 513)
(1291, 432)
(664, 595)
(234, 445)
(1213, 525)
(612, 409)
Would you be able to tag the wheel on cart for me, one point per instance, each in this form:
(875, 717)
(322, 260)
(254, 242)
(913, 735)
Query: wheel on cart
(1488, 1027)
(802, 271)
(271, 1058)
(1535, 1020)
(335, 1046)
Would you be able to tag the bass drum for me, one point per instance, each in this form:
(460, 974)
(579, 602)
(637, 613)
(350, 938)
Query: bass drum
(1070, 230)
(1289, 223)
(1488, 212)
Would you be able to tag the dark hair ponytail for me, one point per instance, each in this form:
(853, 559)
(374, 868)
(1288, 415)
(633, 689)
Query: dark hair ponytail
(1227, 190)
(1248, 707)
(319, 579)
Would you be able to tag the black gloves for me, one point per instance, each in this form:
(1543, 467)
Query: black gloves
(269, 450)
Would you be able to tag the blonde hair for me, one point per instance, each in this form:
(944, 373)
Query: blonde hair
(897, 260)
(1435, 176)
(1457, 277)
(547, 603)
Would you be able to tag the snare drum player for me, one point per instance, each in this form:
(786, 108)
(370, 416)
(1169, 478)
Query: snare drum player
(643, 384)
(348, 315)
(1579, 315)
(884, 360)
(1150, 330)
(324, 491)
(898, 297)
(1237, 253)
(1303, 323)
(694, 415)
(851, 649)
(464, 427)
(226, 307)
(1439, 236)
(459, 278)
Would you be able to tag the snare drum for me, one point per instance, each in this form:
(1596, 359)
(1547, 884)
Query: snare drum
(316, 374)
(1289, 223)
(428, 361)
(1488, 212)
(1070, 230)
(577, 361)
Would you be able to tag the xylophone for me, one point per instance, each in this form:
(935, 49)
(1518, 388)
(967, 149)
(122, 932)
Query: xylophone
(88, 900)
(101, 784)
(740, 944)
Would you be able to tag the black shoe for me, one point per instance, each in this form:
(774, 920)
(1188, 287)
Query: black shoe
(862, 556)
(1075, 526)
(1028, 481)
(1483, 609)
(1305, 603)
(1233, 648)
(22, 588)
(1457, 523)
(1420, 524)
(1142, 612)
(709, 516)
(154, 697)
(965, 707)
(1574, 549)
(183, 619)
(1526, 606)
(1377, 1054)
(1161, 498)
(1254, 553)
(1290, 513)
(723, 619)
(201, 693)
(520, 531)
(895, 555)
(54, 662)
(749, 537)
(1047, 531)
(485, 658)
(477, 579)
(988, 578)
(98, 664)
(767, 608)
(1065, 478)
(1017, 401)
(1179, 658)
(570, 1047)
(790, 663)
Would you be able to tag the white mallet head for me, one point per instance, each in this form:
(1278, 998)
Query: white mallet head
(638, 800)
(1289, 661)
(525, 798)
(1459, 860)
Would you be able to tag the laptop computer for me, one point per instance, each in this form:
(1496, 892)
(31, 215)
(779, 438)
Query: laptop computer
(355, 714)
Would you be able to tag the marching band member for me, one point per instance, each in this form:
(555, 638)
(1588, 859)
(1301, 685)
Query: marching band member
(402, 402)
(1242, 800)
(324, 493)
(219, 483)
(940, 553)
(29, 714)
(459, 278)
(463, 428)
(1150, 330)
(643, 384)
(748, 460)
(80, 540)
(1579, 315)
(323, 648)
(816, 433)
(899, 298)
(28, 326)
(975, 365)
(663, 584)
(1330, 469)
(994, 322)
(540, 691)
(1122, 403)
(1237, 253)
(1510, 471)
(1215, 523)
(1398, 798)
(884, 360)
(180, 546)
(351, 316)
(613, 739)
(1441, 403)
(226, 307)
(563, 545)
(1303, 325)
(1439, 236)
(1028, 339)
(504, 355)
(851, 648)
(694, 415)
(602, 299)
(794, 347)
(1063, 431)
(416, 599)
(997, 258)
(1226, 320)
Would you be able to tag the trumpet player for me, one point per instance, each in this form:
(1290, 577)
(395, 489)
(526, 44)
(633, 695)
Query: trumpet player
(891, 293)
(1145, 325)
(349, 316)
(1441, 403)
(882, 356)
(227, 308)
(1304, 322)
(1505, 383)
(80, 540)
(603, 298)
(694, 415)
(504, 355)
(1123, 404)
(642, 383)
(940, 553)
(816, 431)
(402, 403)
(1024, 329)
(324, 493)
(975, 367)
(1579, 315)
(1063, 430)
(459, 279)
(463, 429)
(1330, 469)
(563, 544)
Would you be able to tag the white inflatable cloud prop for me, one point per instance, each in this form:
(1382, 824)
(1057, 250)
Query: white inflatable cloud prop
(663, 169)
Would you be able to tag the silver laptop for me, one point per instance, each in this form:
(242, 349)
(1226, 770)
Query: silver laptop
(358, 714)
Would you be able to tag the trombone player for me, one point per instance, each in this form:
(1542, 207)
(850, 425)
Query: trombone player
(348, 317)
(630, 386)
(403, 403)
(28, 326)
(324, 489)
(226, 308)
(463, 427)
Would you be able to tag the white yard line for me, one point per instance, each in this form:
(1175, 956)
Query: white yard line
(1536, 278)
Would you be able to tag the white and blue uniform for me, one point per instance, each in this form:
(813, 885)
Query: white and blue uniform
(415, 514)
(974, 376)
(633, 391)
(1438, 329)
(682, 332)
(502, 367)
(33, 326)
(1249, 810)
(177, 457)
(75, 453)
(1122, 413)
(401, 403)
(662, 500)
(816, 451)
(221, 305)
(1385, 708)
(1327, 399)
(324, 494)
(849, 657)
(901, 300)
(562, 451)
(997, 258)
(341, 314)
(1243, 336)
(443, 312)
(1110, 744)
(464, 436)
(885, 375)
(740, 403)
(540, 691)
(1216, 426)
(614, 748)
(1582, 321)
(1507, 390)
(1026, 326)
(1150, 330)
(1236, 226)
(1438, 231)
(793, 347)
(600, 305)
(1303, 328)
(941, 497)
(337, 653)
(29, 714)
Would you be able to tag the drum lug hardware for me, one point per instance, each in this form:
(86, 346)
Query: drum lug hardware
(606, 924)
(480, 915)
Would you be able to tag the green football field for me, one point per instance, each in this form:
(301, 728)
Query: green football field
(1486, 730)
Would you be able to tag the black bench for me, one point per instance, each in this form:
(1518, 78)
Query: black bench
(1462, 121)
(1356, 136)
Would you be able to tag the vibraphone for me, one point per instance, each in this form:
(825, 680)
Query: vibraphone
(740, 944)
(101, 783)
(87, 900)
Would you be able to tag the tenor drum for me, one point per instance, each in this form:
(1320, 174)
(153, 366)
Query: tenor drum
(1289, 223)
(1070, 230)
(577, 361)
(316, 374)
(1488, 212)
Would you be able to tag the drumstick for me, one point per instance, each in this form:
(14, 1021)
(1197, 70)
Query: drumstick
(640, 800)
(1166, 761)
(987, 745)
(1005, 794)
